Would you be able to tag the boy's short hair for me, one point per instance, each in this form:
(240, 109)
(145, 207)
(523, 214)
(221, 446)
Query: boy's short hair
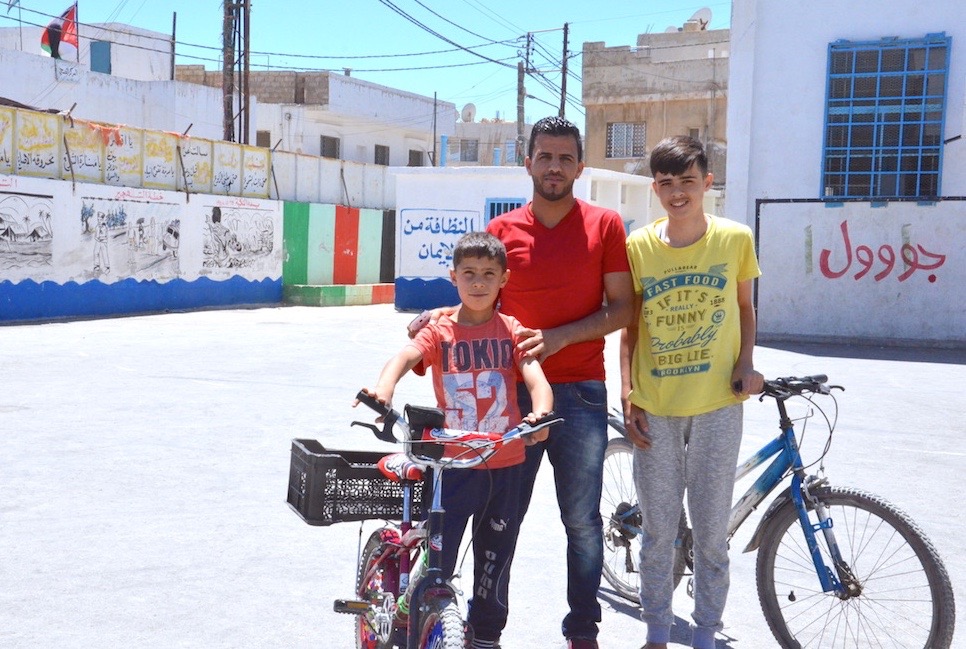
(556, 127)
(674, 155)
(479, 244)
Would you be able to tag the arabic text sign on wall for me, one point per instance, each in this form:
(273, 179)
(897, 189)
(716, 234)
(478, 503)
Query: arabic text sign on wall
(160, 156)
(198, 164)
(426, 238)
(256, 170)
(83, 152)
(38, 144)
(7, 116)
(124, 157)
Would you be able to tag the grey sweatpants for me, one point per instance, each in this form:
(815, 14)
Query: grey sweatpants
(698, 454)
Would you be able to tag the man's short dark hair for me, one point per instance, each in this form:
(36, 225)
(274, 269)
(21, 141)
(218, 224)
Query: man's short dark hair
(479, 244)
(556, 126)
(674, 155)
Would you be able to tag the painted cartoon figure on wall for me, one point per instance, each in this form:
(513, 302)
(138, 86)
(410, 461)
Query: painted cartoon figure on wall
(102, 261)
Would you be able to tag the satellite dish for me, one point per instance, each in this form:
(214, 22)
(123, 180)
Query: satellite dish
(468, 113)
(671, 29)
(702, 17)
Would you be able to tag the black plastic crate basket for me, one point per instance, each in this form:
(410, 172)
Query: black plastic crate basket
(327, 486)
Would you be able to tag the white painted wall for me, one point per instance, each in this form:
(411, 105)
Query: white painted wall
(776, 98)
(46, 83)
(455, 195)
(361, 115)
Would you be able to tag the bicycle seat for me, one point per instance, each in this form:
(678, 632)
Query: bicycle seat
(398, 467)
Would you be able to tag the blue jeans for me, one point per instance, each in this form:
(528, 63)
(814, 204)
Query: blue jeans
(576, 451)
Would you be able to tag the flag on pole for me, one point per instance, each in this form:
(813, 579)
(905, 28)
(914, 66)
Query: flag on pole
(11, 4)
(61, 30)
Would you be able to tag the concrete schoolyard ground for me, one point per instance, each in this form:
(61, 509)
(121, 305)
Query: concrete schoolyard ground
(144, 466)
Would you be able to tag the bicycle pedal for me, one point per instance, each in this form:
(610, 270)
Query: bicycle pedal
(351, 606)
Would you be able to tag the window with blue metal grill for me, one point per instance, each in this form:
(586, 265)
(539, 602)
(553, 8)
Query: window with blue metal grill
(497, 206)
(885, 112)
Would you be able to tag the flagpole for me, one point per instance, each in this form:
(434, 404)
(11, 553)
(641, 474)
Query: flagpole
(77, 28)
(20, 20)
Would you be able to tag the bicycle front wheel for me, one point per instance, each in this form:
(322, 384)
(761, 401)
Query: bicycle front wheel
(622, 525)
(442, 626)
(903, 595)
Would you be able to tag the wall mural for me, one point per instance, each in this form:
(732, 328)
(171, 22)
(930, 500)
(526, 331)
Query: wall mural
(26, 233)
(127, 238)
(238, 235)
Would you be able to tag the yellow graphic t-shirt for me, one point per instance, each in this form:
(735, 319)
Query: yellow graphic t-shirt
(689, 334)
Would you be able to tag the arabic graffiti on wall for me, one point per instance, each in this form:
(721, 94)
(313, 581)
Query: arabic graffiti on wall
(426, 239)
(882, 258)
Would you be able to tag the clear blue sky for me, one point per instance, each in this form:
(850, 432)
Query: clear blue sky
(383, 46)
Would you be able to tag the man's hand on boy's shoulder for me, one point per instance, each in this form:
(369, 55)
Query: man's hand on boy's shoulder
(429, 316)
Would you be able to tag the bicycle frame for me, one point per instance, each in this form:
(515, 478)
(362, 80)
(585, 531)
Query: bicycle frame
(433, 584)
(784, 449)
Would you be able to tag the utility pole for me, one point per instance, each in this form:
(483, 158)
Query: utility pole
(246, 92)
(563, 76)
(521, 93)
(227, 72)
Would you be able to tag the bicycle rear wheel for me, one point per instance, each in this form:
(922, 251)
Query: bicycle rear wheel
(905, 600)
(442, 626)
(622, 525)
(377, 583)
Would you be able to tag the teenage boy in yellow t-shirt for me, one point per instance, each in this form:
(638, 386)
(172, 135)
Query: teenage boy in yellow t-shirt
(686, 366)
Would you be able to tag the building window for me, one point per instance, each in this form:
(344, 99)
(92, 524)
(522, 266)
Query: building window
(263, 139)
(884, 118)
(330, 147)
(415, 158)
(469, 150)
(464, 150)
(497, 206)
(625, 140)
(382, 155)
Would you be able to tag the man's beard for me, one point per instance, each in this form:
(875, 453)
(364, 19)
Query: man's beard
(562, 191)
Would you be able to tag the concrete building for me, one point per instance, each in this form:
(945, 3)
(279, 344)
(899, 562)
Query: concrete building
(672, 83)
(484, 143)
(339, 116)
(124, 76)
(846, 153)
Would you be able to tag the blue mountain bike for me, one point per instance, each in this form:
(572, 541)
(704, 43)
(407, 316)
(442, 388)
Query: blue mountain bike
(836, 567)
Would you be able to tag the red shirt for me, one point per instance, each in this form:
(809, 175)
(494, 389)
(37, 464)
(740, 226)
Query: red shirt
(474, 378)
(557, 277)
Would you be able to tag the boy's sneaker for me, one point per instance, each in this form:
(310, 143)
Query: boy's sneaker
(582, 643)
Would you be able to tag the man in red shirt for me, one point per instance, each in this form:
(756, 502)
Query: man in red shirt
(570, 285)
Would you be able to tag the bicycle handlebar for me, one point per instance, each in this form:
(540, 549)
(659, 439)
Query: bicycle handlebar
(479, 446)
(785, 387)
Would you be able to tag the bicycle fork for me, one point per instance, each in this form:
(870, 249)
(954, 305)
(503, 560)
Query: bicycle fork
(841, 581)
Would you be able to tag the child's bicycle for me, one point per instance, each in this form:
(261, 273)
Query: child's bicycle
(402, 597)
(836, 567)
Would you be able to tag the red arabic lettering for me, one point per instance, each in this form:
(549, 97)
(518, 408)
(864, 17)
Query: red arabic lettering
(912, 257)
